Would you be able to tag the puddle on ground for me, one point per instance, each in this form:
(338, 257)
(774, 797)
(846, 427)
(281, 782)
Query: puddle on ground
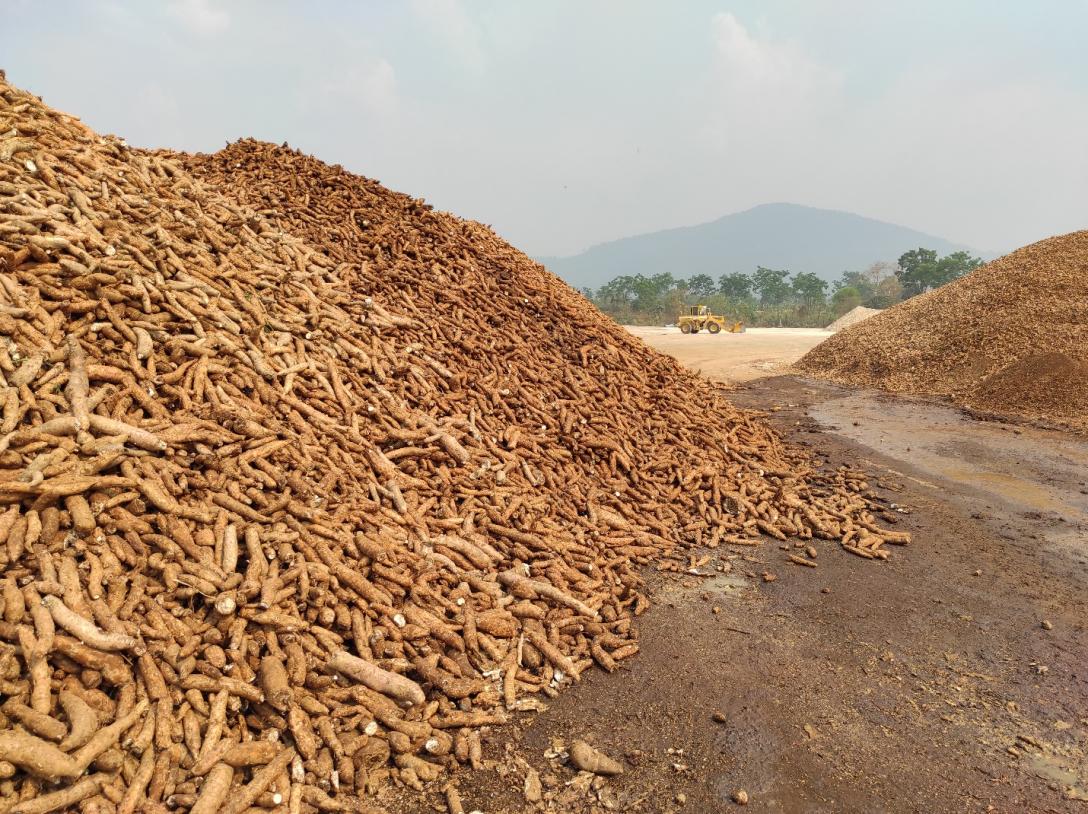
(1027, 468)
(729, 584)
(1010, 487)
(1054, 769)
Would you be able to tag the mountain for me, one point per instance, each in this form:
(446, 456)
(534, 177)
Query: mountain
(776, 235)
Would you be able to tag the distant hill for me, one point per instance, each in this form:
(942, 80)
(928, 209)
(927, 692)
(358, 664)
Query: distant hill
(777, 235)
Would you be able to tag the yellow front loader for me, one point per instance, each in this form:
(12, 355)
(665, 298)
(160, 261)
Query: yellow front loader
(698, 317)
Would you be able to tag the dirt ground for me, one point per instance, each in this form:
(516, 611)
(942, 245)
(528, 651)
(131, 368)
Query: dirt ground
(727, 357)
(951, 678)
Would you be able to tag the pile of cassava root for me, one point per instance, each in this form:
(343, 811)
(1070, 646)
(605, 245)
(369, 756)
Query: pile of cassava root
(1009, 338)
(285, 524)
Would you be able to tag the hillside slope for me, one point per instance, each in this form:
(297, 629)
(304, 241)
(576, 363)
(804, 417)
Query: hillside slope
(779, 235)
(1011, 337)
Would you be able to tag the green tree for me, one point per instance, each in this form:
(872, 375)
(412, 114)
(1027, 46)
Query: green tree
(887, 293)
(646, 293)
(845, 298)
(953, 266)
(878, 286)
(771, 285)
(587, 292)
(701, 285)
(673, 302)
(858, 281)
(809, 288)
(617, 293)
(917, 271)
(663, 281)
(735, 286)
(649, 294)
(921, 270)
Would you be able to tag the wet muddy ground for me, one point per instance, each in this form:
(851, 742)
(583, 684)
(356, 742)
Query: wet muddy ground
(951, 678)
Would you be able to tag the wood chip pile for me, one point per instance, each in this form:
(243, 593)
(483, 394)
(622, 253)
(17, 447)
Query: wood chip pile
(1010, 337)
(852, 317)
(282, 523)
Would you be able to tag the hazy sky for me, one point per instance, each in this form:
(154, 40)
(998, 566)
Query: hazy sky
(566, 123)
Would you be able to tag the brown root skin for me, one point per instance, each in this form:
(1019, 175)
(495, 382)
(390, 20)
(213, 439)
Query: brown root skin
(82, 720)
(514, 580)
(37, 669)
(387, 683)
(84, 630)
(588, 759)
(40, 724)
(14, 602)
(448, 685)
(106, 737)
(251, 753)
(214, 790)
(232, 685)
(112, 666)
(247, 795)
(78, 384)
(602, 657)
(62, 799)
(210, 754)
(272, 677)
(36, 756)
(424, 769)
(137, 787)
(552, 654)
(136, 436)
(298, 722)
(453, 801)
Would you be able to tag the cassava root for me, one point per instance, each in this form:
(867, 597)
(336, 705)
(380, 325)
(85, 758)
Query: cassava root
(302, 484)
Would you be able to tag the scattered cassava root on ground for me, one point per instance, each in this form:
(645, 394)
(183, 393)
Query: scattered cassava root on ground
(587, 759)
(283, 522)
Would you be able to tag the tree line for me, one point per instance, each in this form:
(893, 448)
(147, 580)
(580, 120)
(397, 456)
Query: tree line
(777, 297)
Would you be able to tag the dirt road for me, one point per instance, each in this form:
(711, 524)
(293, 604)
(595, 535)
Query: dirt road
(951, 678)
(726, 357)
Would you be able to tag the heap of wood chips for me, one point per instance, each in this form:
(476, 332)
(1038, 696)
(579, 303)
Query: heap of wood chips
(852, 317)
(286, 522)
(1011, 337)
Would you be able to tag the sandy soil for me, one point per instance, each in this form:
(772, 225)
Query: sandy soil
(949, 679)
(727, 357)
